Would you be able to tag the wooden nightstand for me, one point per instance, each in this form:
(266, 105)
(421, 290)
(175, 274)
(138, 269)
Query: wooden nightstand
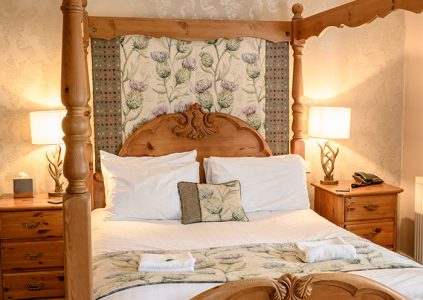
(31, 240)
(370, 212)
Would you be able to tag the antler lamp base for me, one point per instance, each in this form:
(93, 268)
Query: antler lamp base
(55, 169)
(328, 154)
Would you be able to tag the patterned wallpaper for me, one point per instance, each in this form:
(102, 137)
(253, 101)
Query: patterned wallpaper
(360, 68)
(29, 80)
(195, 9)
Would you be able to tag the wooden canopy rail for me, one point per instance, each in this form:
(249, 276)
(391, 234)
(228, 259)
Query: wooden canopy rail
(75, 94)
(190, 30)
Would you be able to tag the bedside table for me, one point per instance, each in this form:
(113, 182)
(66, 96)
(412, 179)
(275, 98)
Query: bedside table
(32, 254)
(369, 212)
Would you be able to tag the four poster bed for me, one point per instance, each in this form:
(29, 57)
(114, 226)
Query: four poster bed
(210, 133)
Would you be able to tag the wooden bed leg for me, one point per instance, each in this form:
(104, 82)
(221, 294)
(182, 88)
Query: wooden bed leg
(297, 142)
(76, 206)
(77, 238)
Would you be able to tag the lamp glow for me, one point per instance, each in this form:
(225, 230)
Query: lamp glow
(46, 129)
(329, 123)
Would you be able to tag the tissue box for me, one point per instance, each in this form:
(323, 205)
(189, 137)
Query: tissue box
(23, 188)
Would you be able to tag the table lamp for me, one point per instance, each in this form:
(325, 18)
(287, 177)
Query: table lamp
(329, 123)
(46, 129)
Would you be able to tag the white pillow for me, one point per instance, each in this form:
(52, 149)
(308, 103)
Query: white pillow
(274, 183)
(182, 157)
(137, 189)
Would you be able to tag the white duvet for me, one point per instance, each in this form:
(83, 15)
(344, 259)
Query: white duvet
(108, 236)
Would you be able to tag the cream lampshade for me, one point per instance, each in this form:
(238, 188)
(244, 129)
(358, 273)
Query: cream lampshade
(46, 129)
(329, 123)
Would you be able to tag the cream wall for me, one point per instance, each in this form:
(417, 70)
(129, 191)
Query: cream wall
(29, 80)
(360, 68)
(412, 163)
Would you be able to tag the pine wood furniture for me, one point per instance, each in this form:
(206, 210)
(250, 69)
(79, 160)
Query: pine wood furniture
(75, 93)
(211, 134)
(32, 251)
(317, 286)
(369, 211)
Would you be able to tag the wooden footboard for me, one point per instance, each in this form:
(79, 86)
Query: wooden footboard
(318, 286)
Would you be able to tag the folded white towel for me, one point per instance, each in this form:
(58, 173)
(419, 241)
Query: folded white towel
(177, 262)
(171, 270)
(330, 249)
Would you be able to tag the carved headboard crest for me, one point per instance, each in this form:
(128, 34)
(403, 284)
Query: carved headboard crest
(292, 287)
(195, 124)
(211, 134)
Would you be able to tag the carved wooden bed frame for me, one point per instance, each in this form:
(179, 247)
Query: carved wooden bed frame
(75, 95)
(211, 134)
(318, 286)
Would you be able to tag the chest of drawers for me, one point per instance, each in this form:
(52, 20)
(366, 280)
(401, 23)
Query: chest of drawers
(369, 212)
(31, 248)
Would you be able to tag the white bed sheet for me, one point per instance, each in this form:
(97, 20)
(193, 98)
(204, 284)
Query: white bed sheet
(264, 227)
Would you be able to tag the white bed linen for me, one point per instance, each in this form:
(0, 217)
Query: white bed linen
(264, 227)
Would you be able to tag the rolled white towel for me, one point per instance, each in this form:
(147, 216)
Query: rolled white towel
(176, 262)
(330, 249)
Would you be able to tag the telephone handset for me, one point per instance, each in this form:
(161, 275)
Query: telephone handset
(363, 179)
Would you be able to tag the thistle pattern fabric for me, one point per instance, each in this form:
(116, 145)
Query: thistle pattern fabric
(211, 202)
(126, 75)
(116, 271)
(163, 75)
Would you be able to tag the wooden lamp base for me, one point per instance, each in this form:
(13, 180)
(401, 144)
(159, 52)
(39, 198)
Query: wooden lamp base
(329, 182)
(56, 194)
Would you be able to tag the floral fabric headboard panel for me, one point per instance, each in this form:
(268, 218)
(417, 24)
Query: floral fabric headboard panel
(137, 78)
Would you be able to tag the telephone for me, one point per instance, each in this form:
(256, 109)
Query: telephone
(363, 179)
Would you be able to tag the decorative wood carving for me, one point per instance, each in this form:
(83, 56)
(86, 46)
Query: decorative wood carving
(318, 286)
(211, 134)
(297, 142)
(195, 123)
(108, 28)
(289, 287)
(353, 14)
(76, 202)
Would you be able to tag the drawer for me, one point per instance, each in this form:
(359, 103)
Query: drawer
(380, 233)
(31, 224)
(32, 255)
(370, 207)
(37, 285)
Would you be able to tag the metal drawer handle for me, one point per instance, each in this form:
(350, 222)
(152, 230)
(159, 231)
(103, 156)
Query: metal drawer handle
(33, 256)
(372, 234)
(31, 225)
(34, 286)
(371, 207)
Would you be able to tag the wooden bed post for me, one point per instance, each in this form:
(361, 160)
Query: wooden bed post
(76, 202)
(297, 142)
(90, 151)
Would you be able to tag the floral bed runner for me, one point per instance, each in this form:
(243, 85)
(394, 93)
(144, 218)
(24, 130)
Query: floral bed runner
(116, 271)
